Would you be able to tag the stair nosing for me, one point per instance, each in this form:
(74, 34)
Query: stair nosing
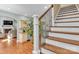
(67, 18)
(67, 12)
(72, 33)
(66, 21)
(66, 40)
(59, 48)
(66, 26)
(62, 15)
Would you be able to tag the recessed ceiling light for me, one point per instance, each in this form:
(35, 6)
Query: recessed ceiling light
(25, 14)
(45, 7)
(8, 8)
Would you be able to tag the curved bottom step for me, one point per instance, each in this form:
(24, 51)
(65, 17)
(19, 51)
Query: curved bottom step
(45, 51)
(58, 50)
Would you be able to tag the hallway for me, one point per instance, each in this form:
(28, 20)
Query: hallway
(15, 48)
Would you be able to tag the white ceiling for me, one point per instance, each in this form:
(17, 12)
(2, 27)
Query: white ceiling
(25, 9)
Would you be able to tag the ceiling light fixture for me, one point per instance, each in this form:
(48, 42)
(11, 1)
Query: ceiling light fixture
(45, 7)
(8, 8)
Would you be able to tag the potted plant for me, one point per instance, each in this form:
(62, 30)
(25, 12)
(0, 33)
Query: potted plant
(29, 29)
(40, 31)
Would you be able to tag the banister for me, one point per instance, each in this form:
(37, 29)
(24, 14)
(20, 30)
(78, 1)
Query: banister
(45, 12)
(40, 34)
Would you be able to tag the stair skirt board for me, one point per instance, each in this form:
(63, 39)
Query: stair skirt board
(67, 24)
(73, 30)
(45, 51)
(63, 45)
(66, 36)
(63, 20)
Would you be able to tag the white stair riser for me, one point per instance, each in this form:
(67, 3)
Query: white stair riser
(67, 24)
(63, 45)
(45, 51)
(75, 30)
(66, 36)
(63, 20)
(67, 12)
(68, 16)
(68, 9)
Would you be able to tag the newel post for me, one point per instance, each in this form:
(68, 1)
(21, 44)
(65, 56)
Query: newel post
(36, 49)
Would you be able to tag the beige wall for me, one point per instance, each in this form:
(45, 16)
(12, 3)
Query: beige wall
(77, 5)
(64, 5)
(56, 8)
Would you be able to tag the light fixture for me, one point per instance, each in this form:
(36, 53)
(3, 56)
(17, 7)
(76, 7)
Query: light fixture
(25, 14)
(9, 8)
(45, 7)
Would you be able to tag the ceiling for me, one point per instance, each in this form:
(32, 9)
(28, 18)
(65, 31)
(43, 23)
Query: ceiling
(25, 9)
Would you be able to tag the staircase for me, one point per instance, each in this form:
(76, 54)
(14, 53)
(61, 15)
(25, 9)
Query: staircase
(63, 37)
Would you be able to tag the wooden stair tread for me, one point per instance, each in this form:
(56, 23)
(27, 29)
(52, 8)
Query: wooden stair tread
(58, 50)
(66, 26)
(74, 42)
(67, 21)
(70, 10)
(65, 12)
(72, 33)
(62, 15)
(67, 17)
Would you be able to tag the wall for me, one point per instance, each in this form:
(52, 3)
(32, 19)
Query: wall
(12, 15)
(64, 5)
(8, 14)
(56, 8)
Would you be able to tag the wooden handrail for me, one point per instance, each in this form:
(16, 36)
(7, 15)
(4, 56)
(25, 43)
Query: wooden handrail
(45, 12)
(40, 35)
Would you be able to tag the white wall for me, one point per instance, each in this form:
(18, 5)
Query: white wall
(12, 15)
(64, 5)
(8, 14)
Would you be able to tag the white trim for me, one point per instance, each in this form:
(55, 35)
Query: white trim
(45, 51)
(36, 51)
(73, 30)
(36, 35)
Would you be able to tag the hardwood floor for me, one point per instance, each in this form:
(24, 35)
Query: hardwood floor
(15, 48)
